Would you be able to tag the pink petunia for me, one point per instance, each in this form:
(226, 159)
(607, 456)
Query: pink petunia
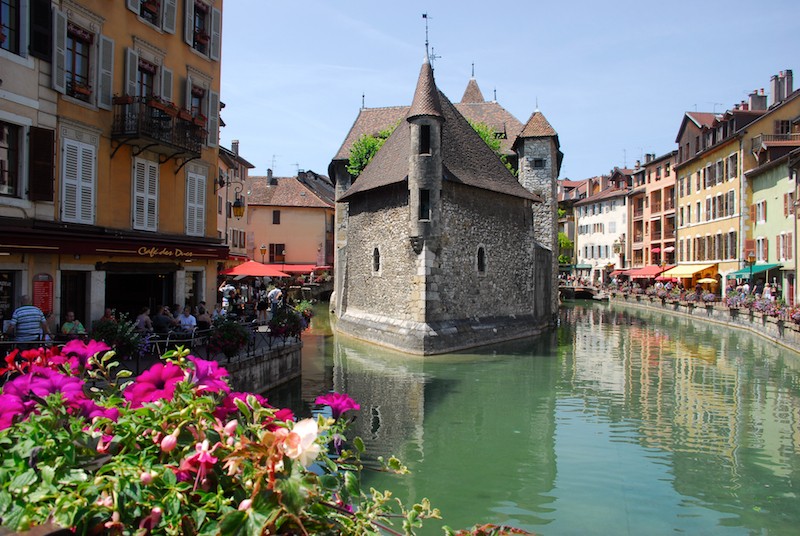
(22, 394)
(83, 351)
(208, 376)
(155, 383)
(338, 402)
(228, 404)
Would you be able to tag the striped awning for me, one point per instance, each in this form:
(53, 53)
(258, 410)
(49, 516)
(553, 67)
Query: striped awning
(687, 270)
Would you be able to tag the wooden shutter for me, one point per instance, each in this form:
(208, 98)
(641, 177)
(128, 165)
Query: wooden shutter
(213, 119)
(789, 243)
(785, 205)
(170, 16)
(134, 5)
(752, 213)
(195, 204)
(765, 250)
(41, 24)
(188, 23)
(187, 103)
(749, 247)
(765, 210)
(105, 82)
(42, 160)
(216, 33)
(145, 195)
(166, 84)
(131, 72)
(59, 76)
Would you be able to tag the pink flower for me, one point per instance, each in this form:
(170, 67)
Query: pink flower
(169, 442)
(338, 402)
(201, 461)
(155, 383)
(208, 376)
(228, 404)
(83, 351)
(282, 415)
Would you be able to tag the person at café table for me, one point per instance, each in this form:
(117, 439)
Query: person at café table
(72, 327)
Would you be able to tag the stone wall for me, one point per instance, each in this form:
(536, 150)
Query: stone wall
(265, 371)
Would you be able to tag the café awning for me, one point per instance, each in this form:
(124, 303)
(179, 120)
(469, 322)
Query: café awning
(583, 266)
(646, 272)
(254, 269)
(687, 270)
(744, 273)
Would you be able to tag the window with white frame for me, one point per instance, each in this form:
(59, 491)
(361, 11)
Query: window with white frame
(762, 252)
(680, 217)
(203, 103)
(78, 175)
(761, 211)
(732, 245)
(26, 152)
(83, 59)
(720, 173)
(195, 203)
(159, 13)
(145, 195)
(730, 203)
(688, 214)
(202, 28)
(698, 212)
(145, 73)
(11, 139)
(733, 166)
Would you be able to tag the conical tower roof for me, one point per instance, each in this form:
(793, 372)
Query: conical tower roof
(537, 127)
(426, 96)
(473, 93)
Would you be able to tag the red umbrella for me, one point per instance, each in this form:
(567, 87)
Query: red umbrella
(254, 269)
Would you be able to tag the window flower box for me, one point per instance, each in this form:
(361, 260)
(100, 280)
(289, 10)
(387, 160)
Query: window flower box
(122, 99)
(81, 89)
(157, 104)
(151, 6)
(202, 37)
(185, 115)
(200, 120)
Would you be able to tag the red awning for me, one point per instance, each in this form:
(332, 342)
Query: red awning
(616, 272)
(647, 272)
(655, 250)
(255, 269)
(293, 268)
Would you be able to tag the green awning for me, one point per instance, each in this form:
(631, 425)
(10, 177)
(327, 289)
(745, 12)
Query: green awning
(583, 266)
(744, 273)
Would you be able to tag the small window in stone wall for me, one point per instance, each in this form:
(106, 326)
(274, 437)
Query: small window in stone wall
(376, 261)
(424, 204)
(425, 139)
(481, 260)
(538, 163)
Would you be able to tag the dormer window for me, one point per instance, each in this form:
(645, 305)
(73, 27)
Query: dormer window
(425, 139)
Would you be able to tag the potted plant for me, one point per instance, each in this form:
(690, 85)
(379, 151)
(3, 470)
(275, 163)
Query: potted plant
(151, 6)
(120, 335)
(171, 109)
(199, 120)
(201, 37)
(155, 102)
(228, 337)
(185, 115)
(81, 89)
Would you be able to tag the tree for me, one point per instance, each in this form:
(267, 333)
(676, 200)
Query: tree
(488, 135)
(365, 148)
(565, 245)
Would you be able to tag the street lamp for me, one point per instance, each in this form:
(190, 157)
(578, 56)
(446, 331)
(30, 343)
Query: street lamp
(263, 250)
(238, 203)
(751, 260)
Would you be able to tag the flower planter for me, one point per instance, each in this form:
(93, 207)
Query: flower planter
(199, 121)
(81, 90)
(122, 99)
(202, 38)
(185, 115)
(157, 104)
(152, 7)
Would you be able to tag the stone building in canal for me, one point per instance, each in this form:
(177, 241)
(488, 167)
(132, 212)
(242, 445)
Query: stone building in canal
(439, 247)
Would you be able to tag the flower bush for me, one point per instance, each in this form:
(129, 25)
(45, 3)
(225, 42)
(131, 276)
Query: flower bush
(227, 337)
(305, 308)
(120, 335)
(286, 322)
(174, 451)
(708, 297)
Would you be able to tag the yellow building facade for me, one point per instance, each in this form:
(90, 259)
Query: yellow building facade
(123, 214)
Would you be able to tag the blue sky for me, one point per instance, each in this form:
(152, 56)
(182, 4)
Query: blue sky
(613, 78)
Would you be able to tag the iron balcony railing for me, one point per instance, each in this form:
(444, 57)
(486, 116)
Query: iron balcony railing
(786, 139)
(160, 126)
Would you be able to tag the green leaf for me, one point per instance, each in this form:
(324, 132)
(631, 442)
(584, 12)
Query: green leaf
(169, 478)
(233, 523)
(358, 443)
(352, 484)
(5, 501)
(25, 479)
(329, 482)
(48, 473)
(291, 492)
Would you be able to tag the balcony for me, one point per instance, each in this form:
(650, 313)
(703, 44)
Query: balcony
(655, 234)
(655, 207)
(669, 204)
(638, 212)
(158, 127)
(766, 140)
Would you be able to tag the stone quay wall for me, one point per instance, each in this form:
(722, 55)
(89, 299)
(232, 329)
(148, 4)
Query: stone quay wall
(783, 332)
(265, 370)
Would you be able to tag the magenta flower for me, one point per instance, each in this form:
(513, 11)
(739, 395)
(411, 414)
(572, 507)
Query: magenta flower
(338, 402)
(22, 394)
(155, 383)
(228, 404)
(83, 351)
(208, 376)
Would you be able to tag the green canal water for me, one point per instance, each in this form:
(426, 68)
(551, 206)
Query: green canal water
(619, 421)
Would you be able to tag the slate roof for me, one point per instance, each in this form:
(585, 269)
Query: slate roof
(287, 192)
(370, 121)
(426, 96)
(537, 127)
(473, 93)
(466, 158)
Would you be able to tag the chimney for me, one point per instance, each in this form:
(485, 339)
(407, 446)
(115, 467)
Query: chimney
(271, 181)
(777, 88)
(744, 106)
(787, 84)
(235, 147)
(638, 164)
(758, 101)
(649, 157)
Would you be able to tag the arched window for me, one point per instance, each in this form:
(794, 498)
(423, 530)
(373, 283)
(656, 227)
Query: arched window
(376, 260)
(481, 260)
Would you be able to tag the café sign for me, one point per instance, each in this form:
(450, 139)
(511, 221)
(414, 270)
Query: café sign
(175, 253)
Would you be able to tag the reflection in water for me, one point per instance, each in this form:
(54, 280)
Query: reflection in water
(629, 420)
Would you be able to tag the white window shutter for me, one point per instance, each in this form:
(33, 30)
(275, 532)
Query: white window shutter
(201, 206)
(134, 5)
(188, 23)
(139, 193)
(170, 16)
(187, 103)
(152, 197)
(131, 72)
(166, 84)
(213, 119)
(216, 33)
(24, 11)
(195, 204)
(105, 81)
(59, 76)
(86, 206)
(69, 180)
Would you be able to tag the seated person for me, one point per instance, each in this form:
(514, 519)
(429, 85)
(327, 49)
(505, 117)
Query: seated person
(161, 322)
(203, 318)
(187, 320)
(72, 328)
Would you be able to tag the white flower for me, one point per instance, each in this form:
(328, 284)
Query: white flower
(301, 443)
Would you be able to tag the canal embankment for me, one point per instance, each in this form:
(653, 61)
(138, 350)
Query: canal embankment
(781, 331)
